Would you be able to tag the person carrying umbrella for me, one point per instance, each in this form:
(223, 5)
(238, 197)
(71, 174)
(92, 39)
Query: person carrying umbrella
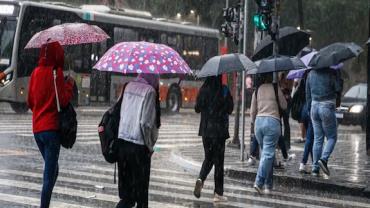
(138, 132)
(215, 104)
(265, 115)
(42, 102)
(323, 91)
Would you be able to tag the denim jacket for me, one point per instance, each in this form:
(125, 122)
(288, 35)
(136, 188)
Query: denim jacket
(323, 85)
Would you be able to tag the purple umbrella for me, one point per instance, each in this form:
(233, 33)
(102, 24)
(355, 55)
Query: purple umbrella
(142, 57)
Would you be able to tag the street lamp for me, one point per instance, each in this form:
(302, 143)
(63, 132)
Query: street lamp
(192, 12)
(178, 15)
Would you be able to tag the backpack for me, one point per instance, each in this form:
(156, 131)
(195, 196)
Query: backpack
(67, 120)
(110, 122)
(298, 101)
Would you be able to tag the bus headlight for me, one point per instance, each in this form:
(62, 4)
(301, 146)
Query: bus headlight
(5, 78)
(356, 109)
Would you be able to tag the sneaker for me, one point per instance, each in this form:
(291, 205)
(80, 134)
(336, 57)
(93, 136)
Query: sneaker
(219, 198)
(301, 140)
(315, 173)
(267, 191)
(257, 188)
(251, 161)
(303, 168)
(324, 166)
(198, 188)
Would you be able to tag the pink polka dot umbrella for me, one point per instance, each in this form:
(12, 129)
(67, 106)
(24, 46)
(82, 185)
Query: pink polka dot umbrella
(142, 57)
(68, 34)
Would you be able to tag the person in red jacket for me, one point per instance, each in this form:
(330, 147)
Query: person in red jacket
(42, 102)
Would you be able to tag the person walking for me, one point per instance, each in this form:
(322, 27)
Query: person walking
(215, 104)
(42, 102)
(137, 134)
(305, 119)
(265, 115)
(323, 90)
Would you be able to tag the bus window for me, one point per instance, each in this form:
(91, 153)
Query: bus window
(124, 34)
(175, 42)
(149, 36)
(7, 31)
(36, 19)
(193, 52)
(164, 38)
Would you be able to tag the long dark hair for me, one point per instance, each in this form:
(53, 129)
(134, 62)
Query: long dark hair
(158, 109)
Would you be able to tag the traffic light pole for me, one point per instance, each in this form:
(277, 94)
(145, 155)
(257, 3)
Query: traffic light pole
(368, 97)
(236, 141)
(245, 20)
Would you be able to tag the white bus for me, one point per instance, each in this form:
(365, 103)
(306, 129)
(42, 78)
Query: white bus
(20, 20)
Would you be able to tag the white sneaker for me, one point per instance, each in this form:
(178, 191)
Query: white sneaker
(257, 188)
(304, 168)
(219, 198)
(267, 191)
(251, 161)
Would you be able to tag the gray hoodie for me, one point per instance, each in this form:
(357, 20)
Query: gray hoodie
(138, 114)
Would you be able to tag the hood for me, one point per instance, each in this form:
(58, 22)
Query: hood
(52, 54)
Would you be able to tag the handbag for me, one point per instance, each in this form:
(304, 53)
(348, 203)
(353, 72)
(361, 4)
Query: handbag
(67, 120)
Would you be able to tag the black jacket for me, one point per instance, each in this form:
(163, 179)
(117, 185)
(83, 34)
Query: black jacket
(215, 111)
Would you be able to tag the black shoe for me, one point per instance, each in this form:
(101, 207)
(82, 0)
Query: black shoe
(315, 173)
(198, 188)
(324, 166)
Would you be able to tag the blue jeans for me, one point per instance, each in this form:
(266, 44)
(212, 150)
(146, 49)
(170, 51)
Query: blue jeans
(49, 146)
(306, 120)
(324, 124)
(268, 131)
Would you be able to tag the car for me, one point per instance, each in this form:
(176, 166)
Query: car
(352, 110)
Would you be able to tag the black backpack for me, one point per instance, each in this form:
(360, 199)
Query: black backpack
(67, 120)
(67, 126)
(298, 101)
(110, 122)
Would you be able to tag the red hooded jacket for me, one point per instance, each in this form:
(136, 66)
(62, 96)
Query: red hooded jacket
(41, 91)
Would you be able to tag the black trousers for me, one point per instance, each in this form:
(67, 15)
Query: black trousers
(133, 174)
(214, 150)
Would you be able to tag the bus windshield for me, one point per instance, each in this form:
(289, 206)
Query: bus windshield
(7, 32)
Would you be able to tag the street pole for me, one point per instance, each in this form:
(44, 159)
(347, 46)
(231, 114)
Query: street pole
(236, 140)
(368, 97)
(227, 5)
(300, 14)
(245, 21)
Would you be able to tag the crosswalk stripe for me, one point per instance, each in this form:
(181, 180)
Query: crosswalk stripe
(25, 200)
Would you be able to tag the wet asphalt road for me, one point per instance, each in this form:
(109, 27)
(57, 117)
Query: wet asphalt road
(86, 180)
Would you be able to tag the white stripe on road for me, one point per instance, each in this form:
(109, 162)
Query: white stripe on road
(25, 200)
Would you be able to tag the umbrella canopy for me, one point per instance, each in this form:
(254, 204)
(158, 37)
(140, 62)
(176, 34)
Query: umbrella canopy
(368, 41)
(298, 73)
(68, 34)
(334, 54)
(276, 64)
(226, 64)
(291, 41)
(142, 57)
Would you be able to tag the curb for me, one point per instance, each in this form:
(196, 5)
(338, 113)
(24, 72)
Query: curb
(279, 179)
(304, 183)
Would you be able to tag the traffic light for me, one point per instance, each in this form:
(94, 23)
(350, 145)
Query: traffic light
(263, 19)
(231, 26)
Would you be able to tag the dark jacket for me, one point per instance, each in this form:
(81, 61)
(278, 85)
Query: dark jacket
(215, 104)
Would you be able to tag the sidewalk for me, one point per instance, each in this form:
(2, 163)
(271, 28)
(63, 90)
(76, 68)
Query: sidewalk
(349, 166)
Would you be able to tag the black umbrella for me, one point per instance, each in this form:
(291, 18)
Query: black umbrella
(226, 64)
(291, 41)
(334, 54)
(276, 64)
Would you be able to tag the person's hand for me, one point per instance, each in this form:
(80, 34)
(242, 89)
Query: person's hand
(100, 129)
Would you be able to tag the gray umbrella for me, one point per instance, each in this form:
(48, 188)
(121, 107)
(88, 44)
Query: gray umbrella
(276, 64)
(334, 54)
(225, 64)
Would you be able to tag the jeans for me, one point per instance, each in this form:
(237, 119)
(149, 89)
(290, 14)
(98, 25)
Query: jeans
(48, 143)
(214, 150)
(133, 174)
(254, 147)
(324, 124)
(306, 120)
(267, 132)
